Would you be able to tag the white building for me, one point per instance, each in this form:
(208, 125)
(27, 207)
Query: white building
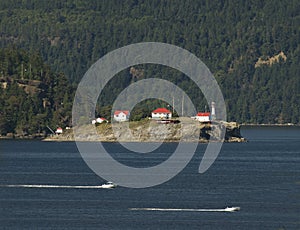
(99, 120)
(121, 115)
(203, 117)
(161, 113)
(59, 130)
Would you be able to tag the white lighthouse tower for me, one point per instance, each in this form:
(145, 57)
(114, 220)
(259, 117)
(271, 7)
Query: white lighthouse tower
(213, 111)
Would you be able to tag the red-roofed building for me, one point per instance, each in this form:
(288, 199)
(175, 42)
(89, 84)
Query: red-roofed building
(203, 117)
(59, 130)
(161, 113)
(99, 120)
(121, 115)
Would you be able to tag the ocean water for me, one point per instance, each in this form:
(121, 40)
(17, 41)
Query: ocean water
(261, 176)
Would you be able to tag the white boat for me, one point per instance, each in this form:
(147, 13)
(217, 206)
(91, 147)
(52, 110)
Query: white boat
(109, 185)
(232, 209)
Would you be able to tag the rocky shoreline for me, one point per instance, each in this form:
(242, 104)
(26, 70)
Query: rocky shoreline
(187, 130)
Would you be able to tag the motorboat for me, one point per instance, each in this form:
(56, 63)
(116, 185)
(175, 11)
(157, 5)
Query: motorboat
(109, 184)
(232, 209)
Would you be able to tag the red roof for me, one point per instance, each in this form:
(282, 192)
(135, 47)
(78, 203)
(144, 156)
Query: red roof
(117, 112)
(161, 110)
(203, 114)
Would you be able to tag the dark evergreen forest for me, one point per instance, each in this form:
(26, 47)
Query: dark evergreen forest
(32, 97)
(251, 47)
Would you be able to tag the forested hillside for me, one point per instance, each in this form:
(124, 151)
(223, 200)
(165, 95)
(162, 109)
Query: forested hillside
(252, 47)
(32, 97)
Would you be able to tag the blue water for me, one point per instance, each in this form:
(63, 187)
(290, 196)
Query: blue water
(261, 176)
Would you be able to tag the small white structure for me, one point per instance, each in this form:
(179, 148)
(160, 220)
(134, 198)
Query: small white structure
(59, 130)
(99, 120)
(161, 113)
(121, 115)
(213, 111)
(203, 117)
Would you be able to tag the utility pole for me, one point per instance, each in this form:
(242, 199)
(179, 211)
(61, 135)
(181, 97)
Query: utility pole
(173, 105)
(22, 71)
(30, 77)
(182, 103)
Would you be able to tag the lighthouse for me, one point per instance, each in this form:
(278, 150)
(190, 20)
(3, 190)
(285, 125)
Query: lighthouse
(213, 111)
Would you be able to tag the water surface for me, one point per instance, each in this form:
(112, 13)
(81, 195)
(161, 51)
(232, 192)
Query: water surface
(261, 176)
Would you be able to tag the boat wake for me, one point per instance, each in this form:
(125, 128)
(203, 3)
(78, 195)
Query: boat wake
(228, 209)
(104, 186)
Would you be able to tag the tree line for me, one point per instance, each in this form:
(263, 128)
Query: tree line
(32, 97)
(228, 36)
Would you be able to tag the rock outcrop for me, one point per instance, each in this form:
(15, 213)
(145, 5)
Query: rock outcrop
(187, 130)
(270, 60)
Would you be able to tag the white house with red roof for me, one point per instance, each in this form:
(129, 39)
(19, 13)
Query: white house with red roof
(59, 130)
(203, 117)
(99, 120)
(121, 115)
(161, 113)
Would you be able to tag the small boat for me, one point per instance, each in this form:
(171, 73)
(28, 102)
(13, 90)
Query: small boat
(109, 184)
(232, 209)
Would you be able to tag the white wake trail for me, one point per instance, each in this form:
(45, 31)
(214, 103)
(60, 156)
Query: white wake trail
(231, 209)
(53, 186)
